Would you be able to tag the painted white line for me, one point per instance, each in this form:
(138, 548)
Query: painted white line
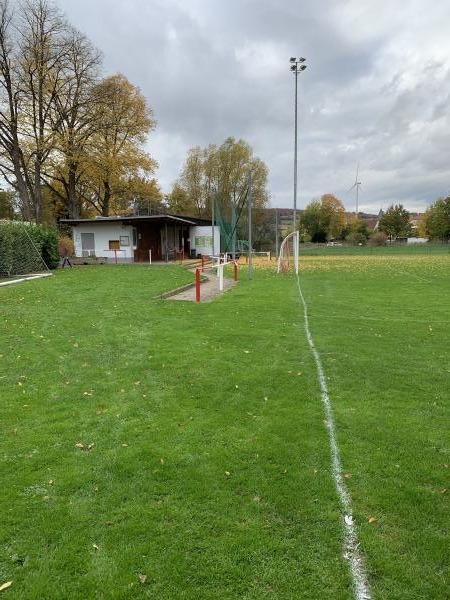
(351, 543)
(27, 278)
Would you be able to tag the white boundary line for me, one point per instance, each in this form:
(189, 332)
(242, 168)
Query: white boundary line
(351, 543)
(27, 278)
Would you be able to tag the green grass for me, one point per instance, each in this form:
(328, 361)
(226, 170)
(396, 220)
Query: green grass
(402, 249)
(210, 468)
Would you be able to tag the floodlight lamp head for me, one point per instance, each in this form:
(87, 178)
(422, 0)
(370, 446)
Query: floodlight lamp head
(292, 59)
(293, 68)
(301, 59)
(303, 67)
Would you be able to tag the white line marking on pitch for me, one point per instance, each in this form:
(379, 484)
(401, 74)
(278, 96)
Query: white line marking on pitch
(351, 543)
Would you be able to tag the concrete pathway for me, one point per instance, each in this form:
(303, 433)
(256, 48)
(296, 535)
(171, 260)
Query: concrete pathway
(209, 289)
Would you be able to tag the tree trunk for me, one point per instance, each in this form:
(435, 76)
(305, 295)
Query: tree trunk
(73, 204)
(106, 199)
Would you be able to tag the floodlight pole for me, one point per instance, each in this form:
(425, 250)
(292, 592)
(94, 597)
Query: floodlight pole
(297, 67)
(250, 242)
(213, 202)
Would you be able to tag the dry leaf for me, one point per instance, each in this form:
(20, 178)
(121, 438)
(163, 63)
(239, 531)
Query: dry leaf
(142, 577)
(227, 473)
(444, 490)
(95, 546)
(347, 476)
(75, 344)
(137, 383)
(5, 586)
(79, 445)
(90, 446)
(372, 520)
(124, 445)
(162, 461)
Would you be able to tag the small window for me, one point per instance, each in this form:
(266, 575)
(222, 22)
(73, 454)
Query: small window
(114, 245)
(124, 240)
(134, 237)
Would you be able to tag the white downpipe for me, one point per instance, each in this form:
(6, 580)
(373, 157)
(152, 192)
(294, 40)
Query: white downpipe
(150, 256)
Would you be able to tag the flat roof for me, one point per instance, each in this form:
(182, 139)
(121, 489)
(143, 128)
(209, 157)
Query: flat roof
(136, 219)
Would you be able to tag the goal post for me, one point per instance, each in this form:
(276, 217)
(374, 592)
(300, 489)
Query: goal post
(289, 251)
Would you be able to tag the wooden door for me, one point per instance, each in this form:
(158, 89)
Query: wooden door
(149, 238)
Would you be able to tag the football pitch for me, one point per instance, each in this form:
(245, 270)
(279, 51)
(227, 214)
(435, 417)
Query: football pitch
(157, 449)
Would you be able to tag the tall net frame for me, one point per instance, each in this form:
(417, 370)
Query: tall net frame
(18, 252)
(288, 256)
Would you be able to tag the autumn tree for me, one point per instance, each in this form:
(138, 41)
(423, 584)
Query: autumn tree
(12, 160)
(116, 156)
(324, 219)
(395, 222)
(74, 121)
(62, 129)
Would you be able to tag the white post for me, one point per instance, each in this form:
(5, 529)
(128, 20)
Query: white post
(150, 256)
(296, 244)
(221, 277)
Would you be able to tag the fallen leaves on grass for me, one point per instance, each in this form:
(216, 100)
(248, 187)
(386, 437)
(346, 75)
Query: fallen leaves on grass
(5, 586)
(227, 473)
(81, 446)
(347, 476)
(142, 577)
(95, 546)
(372, 520)
(124, 445)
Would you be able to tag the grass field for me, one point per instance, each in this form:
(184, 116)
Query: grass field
(157, 449)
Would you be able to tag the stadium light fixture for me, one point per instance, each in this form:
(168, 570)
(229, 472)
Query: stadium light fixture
(297, 67)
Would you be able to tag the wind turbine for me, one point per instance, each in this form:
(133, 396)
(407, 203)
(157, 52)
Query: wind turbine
(356, 185)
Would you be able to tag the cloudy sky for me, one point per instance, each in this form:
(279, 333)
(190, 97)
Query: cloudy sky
(376, 90)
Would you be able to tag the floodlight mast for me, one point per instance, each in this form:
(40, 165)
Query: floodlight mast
(297, 67)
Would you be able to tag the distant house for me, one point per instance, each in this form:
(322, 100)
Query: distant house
(136, 238)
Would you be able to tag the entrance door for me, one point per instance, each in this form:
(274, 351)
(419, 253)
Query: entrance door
(148, 238)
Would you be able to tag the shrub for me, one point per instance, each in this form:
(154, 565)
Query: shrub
(46, 241)
(357, 239)
(379, 239)
(65, 243)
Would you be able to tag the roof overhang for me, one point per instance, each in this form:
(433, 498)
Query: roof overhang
(133, 220)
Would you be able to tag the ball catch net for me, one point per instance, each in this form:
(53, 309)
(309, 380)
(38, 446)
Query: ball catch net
(288, 257)
(18, 252)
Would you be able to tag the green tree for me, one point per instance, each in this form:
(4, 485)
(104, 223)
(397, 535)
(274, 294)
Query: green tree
(314, 220)
(437, 219)
(324, 219)
(395, 222)
(221, 173)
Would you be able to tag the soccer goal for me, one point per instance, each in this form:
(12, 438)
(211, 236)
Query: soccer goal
(288, 256)
(18, 253)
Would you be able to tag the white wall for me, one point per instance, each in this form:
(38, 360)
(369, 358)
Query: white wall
(103, 233)
(204, 246)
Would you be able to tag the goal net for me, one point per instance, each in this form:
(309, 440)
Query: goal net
(18, 252)
(288, 257)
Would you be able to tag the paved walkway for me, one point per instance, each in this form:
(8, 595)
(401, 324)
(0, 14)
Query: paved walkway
(209, 289)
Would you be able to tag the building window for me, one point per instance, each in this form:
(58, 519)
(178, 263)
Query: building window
(114, 245)
(124, 240)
